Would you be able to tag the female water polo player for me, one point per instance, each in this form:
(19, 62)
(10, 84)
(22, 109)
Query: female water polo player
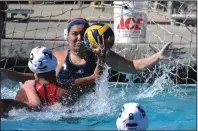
(78, 66)
(44, 90)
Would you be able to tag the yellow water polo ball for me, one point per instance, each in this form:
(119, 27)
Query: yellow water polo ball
(99, 29)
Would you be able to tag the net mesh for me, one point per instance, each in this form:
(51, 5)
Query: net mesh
(29, 24)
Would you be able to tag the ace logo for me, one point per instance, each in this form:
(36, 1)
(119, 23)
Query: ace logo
(129, 23)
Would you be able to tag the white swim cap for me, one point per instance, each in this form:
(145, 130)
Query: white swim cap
(132, 117)
(41, 60)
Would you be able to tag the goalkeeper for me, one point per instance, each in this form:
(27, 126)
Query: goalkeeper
(79, 66)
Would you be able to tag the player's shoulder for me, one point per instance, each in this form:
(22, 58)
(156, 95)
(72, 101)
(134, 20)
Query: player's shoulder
(60, 52)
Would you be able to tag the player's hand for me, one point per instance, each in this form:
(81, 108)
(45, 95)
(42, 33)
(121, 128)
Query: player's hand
(101, 51)
(169, 53)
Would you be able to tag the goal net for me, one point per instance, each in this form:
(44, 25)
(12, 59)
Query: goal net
(25, 25)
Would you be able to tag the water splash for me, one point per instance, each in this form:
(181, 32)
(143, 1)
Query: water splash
(92, 103)
(9, 89)
(97, 102)
(103, 101)
(161, 86)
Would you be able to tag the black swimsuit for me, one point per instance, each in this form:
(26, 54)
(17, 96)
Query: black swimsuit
(70, 70)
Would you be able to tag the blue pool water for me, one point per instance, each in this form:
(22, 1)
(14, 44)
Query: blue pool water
(169, 107)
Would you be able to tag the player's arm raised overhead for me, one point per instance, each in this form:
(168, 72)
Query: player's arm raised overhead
(121, 64)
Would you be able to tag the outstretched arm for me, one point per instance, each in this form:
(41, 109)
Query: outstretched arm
(16, 76)
(121, 64)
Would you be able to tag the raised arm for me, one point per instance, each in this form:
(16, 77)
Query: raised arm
(88, 81)
(121, 64)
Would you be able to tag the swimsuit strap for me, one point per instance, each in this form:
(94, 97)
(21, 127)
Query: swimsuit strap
(46, 97)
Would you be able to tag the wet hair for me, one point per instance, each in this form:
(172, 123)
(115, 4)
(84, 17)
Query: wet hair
(77, 21)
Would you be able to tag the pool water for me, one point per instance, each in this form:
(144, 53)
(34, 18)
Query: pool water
(168, 107)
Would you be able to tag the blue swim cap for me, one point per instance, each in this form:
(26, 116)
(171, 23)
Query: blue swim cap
(77, 21)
